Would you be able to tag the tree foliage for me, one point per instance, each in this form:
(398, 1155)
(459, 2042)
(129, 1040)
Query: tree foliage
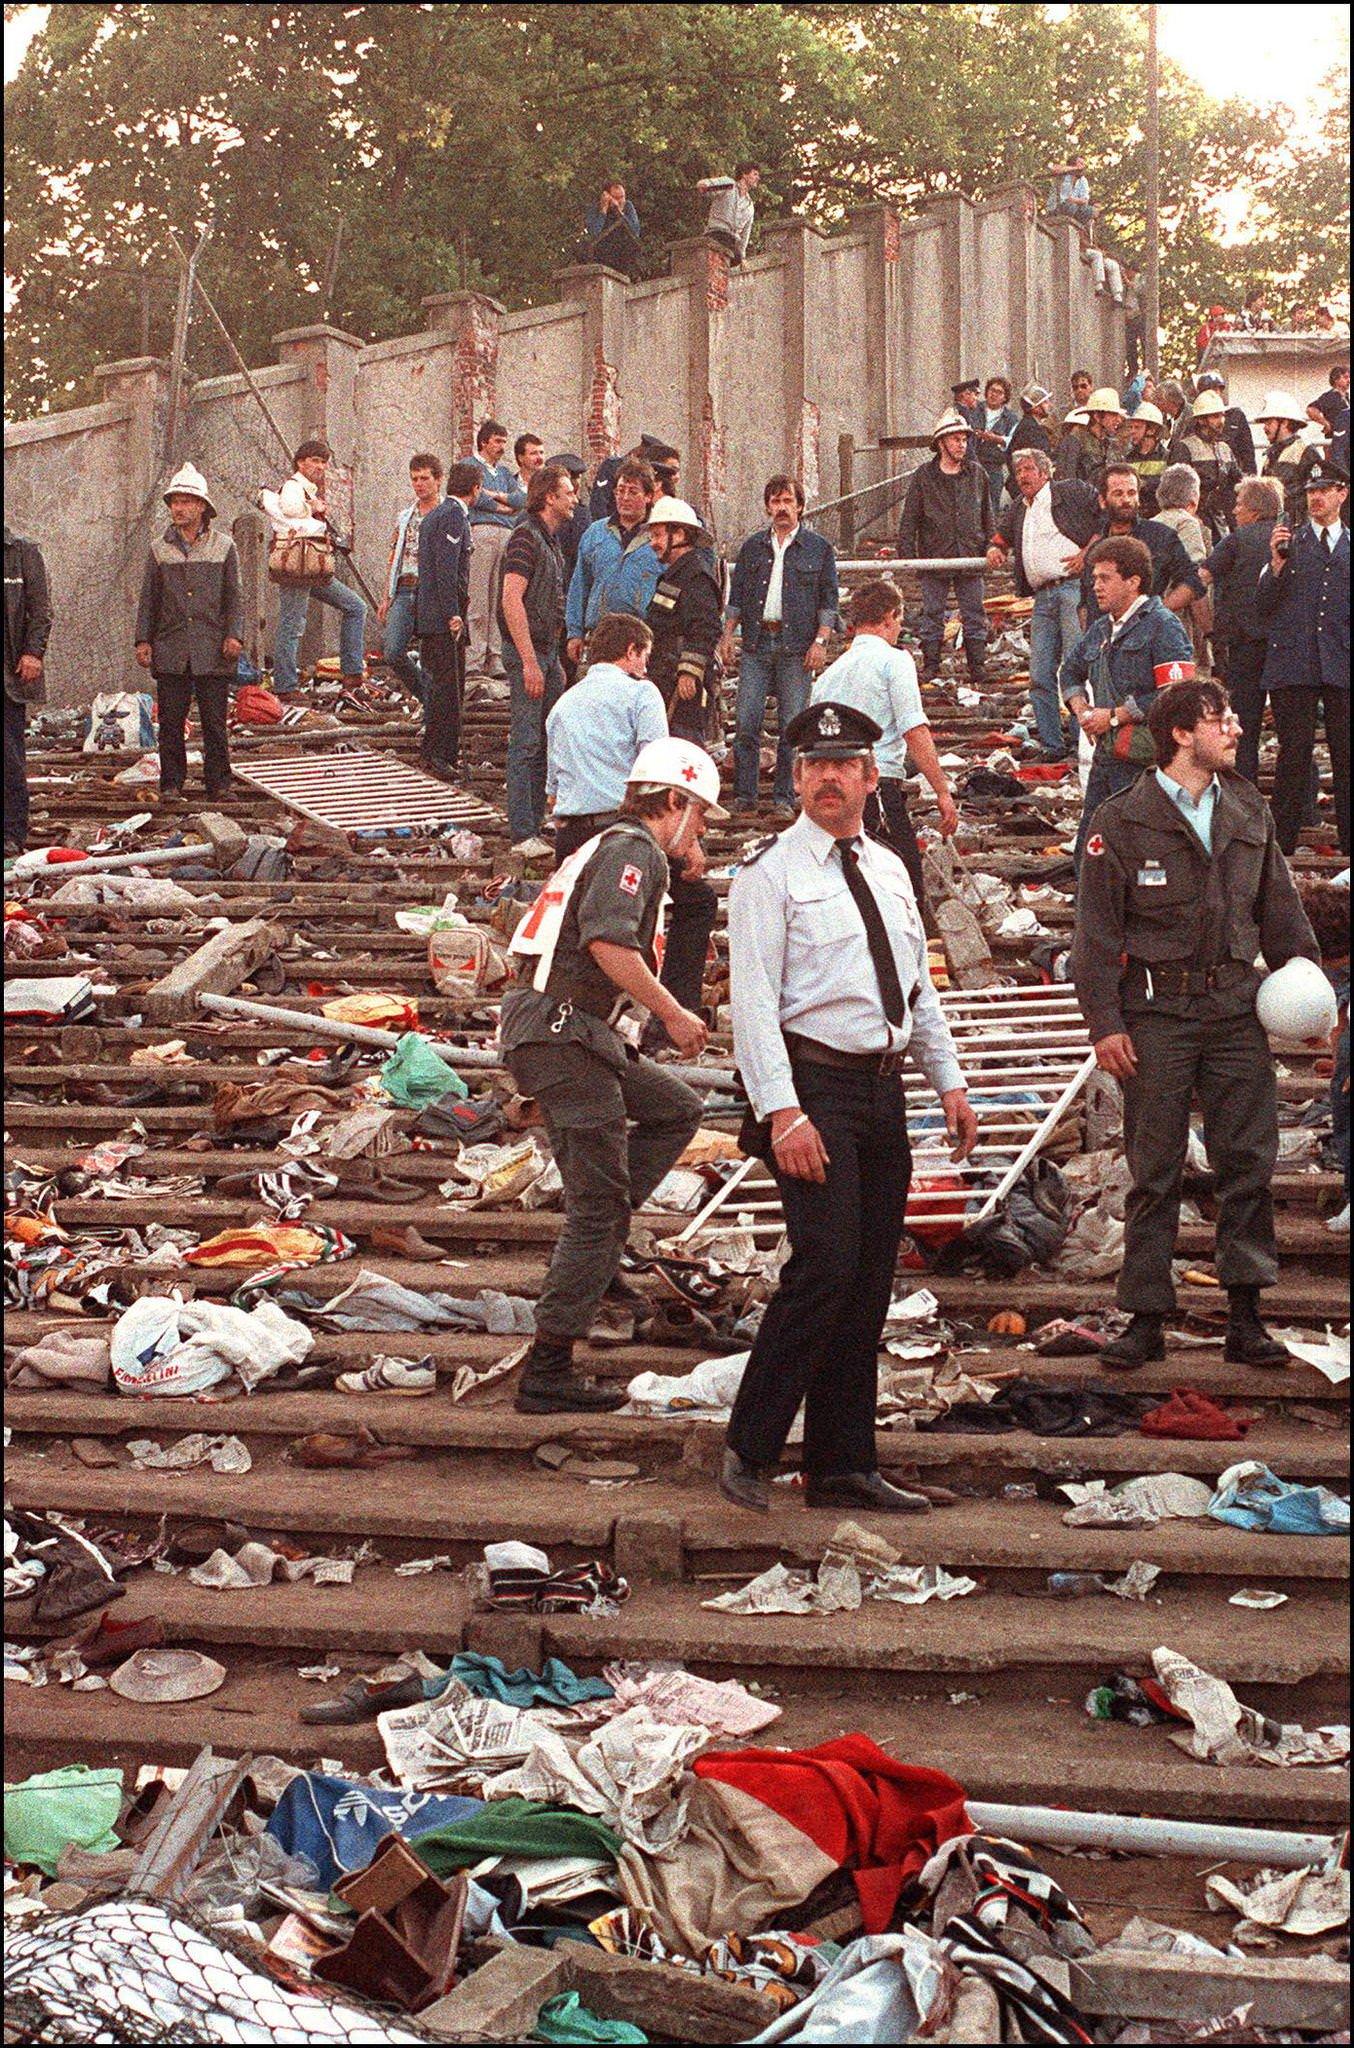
(459, 143)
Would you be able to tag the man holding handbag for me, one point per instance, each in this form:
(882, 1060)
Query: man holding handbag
(301, 563)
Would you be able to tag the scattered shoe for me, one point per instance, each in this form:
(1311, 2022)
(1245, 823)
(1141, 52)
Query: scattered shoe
(390, 1376)
(743, 1484)
(1143, 1342)
(864, 1490)
(1338, 1225)
(389, 1237)
(362, 1699)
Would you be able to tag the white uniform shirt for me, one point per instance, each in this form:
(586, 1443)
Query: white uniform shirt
(881, 681)
(773, 611)
(799, 961)
(1044, 548)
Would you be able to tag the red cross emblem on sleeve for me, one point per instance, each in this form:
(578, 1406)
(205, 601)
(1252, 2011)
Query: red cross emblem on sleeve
(1095, 845)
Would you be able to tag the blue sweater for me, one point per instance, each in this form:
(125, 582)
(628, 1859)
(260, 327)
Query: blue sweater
(611, 574)
(483, 512)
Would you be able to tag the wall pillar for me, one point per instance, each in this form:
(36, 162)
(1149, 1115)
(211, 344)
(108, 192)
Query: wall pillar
(1066, 282)
(884, 228)
(1022, 203)
(141, 384)
(961, 312)
(799, 248)
(705, 268)
(472, 319)
(600, 291)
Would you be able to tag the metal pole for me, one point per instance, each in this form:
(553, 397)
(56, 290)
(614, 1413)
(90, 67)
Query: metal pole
(1057, 1828)
(183, 313)
(1151, 258)
(846, 484)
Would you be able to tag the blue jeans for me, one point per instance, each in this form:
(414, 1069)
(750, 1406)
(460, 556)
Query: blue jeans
(935, 597)
(526, 741)
(1054, 631)
(293, 609)
(395, 646)
(771, 668)
(1107, 778)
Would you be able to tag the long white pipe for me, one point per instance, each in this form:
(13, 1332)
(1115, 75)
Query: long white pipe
(1057, 1829)
(106, 863)
(953, 565)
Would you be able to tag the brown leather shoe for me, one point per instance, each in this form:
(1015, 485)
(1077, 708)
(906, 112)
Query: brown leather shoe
(405, 1240)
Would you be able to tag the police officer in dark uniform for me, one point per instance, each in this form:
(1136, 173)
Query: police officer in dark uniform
(685, 617)
(1181, 886)
(830, 989)
(568, 1031)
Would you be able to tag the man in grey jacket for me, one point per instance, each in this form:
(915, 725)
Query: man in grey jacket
(190, 631)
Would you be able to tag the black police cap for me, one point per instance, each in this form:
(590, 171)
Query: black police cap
(832, 732)
(1324, 471)
(573, 463)
(969, 384)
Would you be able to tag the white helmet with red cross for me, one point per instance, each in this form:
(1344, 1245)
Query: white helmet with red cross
(679, 764)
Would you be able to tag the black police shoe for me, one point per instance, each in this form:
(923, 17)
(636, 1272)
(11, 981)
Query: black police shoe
(1140, 1344)
(745, 1485)
(550, 1386)
(1248, 1342)
(864, 1490)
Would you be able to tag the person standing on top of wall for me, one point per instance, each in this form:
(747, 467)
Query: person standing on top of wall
(300, 507)
(28, 627)
(729, 221)
(190, 631)
(501, 497)
(948, 515)
(397, 611)
(783, 604)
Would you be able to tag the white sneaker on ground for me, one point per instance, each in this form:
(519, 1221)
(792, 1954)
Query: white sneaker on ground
(389, 1376)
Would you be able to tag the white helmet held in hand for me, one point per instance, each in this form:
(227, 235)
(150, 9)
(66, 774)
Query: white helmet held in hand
(1296, 1001)
(679, 764)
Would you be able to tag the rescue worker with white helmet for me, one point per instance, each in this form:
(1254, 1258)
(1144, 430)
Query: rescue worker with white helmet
(1146, 453)
(685, 616)
(569, 1032)
(1183, 884)
(1083, 453)
(1281, 419)
(1205, 447)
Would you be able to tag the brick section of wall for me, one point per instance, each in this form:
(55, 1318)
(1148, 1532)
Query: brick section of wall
(893, 237)
(604, 407)
(474, 375)
(712, 469)
(716, 281)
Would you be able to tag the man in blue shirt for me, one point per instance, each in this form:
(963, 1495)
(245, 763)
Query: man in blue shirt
(493, 513)
(878, 677)
(611, 231)
(783, 598)
(616, 569)
(593, 735)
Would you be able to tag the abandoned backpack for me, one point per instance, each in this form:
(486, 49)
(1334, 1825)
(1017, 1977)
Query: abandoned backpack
(299, 558)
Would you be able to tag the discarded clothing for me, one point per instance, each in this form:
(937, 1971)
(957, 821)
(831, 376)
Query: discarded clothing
(1249, 1496)
(783, 1967)
(61, 1358)
(534, 1590)
(1190, 1414)
(45, 1814)
(338, 1825)
(1044, 1411)
(863, 1809)
(271, 1244)
(160, 1346)
(888, 1987)
(516, 1828)
(565, 2018)
(416, 1076)
(555, 1685)
(1225, 1732)
(371, 1302)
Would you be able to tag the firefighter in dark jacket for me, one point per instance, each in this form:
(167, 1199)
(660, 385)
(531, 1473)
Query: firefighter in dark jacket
(1205, 447)
(1182, 886)
(190, 631)
(685, 616)
(948, 514)
(28, 626)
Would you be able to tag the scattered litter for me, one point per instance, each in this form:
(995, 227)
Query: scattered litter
(1297, 1902)
(1250, 1496)
(1225, 1732)
(222, 1453)
(1256, 1596)
(1135, 1503)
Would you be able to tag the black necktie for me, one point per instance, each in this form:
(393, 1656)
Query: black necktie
(876, 937)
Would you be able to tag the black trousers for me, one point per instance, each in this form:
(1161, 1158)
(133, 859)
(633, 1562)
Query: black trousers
(443, 688)
(1242, 663)
(1226, 1064)
(1294, 713)
(174, 696)
(819, 1338)
(888, 820)
(694, 910)
(16, 772)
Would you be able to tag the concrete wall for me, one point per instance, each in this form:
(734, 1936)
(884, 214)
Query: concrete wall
(746, 371)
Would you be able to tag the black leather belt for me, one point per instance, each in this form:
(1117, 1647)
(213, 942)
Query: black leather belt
(1144, 978)
(586, 817)
(818, 1054)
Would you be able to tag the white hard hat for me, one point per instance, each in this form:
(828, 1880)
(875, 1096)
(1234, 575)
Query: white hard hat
(190, 483)
(1280, 405)
(1208, 405)
(1105, 400)
(950, 422)
(675, 512)
(1296, 1001)
(1153, 414)
(1078, 417)
(680, 764)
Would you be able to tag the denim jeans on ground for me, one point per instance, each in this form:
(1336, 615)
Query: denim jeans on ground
(1054, 629)
(770, 668)
(526, 742)
(395, 645)
(293, 609)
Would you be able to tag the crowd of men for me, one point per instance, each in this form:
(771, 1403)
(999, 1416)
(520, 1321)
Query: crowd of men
(1139, 526)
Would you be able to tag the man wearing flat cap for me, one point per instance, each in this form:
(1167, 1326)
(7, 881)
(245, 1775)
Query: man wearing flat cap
(830, 991)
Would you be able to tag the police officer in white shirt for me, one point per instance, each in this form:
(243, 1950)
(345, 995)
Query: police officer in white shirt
(830, 988)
